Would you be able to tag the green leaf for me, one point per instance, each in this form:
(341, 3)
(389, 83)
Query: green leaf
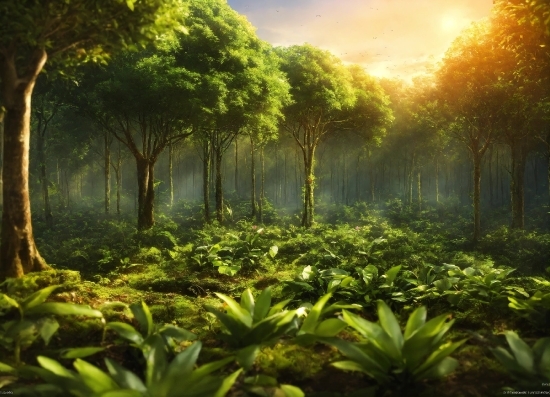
(12, 302)
(48, 328)
(522, 352)
(416, 320)
(247, 355)
(262, 305)
(292, 391)
(228, 383)
(391, 274)
(130, 4)
(126, 331)
(443, 368)
(93, 377)
(124, 377)
(234, 309)
(437, 356)
(80, 352)
(180, 368)
(507, 360)
(312, 318)
(330, 327)
(177, 333)
(229, 270)
(121, 393)
(443, 285)
(64, 309)
(38, 297)
(55, 367)
(389, 324)
(247, 301)
(143, 316)
(155, 356)
(5, 368)
(273, 250)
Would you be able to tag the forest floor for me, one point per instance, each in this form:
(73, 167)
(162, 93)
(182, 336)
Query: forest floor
(175, 270)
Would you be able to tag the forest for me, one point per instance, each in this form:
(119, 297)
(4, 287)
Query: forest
(213, 215)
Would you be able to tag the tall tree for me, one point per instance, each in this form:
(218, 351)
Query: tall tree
(68, 33)
(470, 88)
(321, 89)
(144, 103)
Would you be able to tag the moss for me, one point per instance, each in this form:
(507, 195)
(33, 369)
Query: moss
(290, 361)
(32, 282)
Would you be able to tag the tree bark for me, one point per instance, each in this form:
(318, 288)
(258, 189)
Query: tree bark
(437, 180)
(146, 193)
(48, 217)
(419, 189)
(219, 186)
(206, 161)
(18, 252)
(237, 167)
(477, 198)
(262, 186)
(107, 167)
(253, 212)
(171, 173)
(517, 185)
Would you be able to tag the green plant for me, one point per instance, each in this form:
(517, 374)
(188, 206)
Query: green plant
(23, 322)
(149, 331)
(250, 323)
(162, 378)
(397, 359)
(536, 308)
(314, 327)
(530, 366)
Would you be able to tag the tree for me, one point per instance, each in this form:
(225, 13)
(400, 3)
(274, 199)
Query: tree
(528, 50)
(68, 33)
(239, 85)
(144, 103)
(321, 89)
(470, 87)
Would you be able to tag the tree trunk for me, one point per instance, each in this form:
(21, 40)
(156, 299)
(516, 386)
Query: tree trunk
(18, 252)
(118, 176)
(308, 215)
(477, 197)
(107, 167)
(253, 212)
(517, 185)
(262, 186)
(206, 161)
(146, 194)
(437, 180)
(171, 173)
(48, 217)
(419, 189)
(410, 182)
(236, 167)
(219, 186)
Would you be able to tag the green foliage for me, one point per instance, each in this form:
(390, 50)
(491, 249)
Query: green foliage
(162, 378)
(529, 366)
(242, 251)
(252, 323)
(397, 359)
(536, 309)
(33, 317)
(149, 332)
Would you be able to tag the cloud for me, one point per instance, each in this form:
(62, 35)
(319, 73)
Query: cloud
(387, 37)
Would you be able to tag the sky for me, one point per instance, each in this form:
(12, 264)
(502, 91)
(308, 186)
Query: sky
(389, 38)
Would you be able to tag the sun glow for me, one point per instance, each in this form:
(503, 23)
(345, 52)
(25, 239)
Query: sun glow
(450, 23)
